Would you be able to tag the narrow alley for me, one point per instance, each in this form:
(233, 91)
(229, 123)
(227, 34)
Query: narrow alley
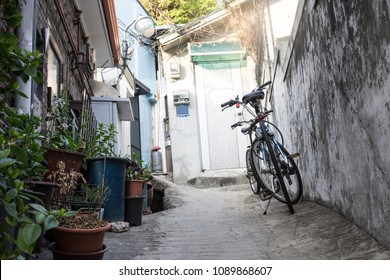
(227, 223)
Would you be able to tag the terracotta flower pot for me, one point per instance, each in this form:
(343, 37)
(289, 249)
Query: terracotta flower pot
(133, 188)
(60, 255)
(80, 240)
(73, 160)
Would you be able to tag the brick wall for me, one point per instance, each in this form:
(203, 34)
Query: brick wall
(60, 17)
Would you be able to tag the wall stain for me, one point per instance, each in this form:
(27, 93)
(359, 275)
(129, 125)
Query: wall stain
(338, 86)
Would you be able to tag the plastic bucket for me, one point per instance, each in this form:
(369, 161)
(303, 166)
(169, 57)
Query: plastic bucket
(114, 171)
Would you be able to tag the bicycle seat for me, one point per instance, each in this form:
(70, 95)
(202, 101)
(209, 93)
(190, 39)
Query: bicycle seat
(252, 96)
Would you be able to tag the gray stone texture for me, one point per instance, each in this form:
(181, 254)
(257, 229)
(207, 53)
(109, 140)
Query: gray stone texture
(331, 101)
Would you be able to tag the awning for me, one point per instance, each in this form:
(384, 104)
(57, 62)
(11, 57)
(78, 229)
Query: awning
(214, 52)
(141, 88)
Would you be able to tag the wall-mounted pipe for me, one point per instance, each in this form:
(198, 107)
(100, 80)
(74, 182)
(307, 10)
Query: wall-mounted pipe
(74, 47)
(26, 35)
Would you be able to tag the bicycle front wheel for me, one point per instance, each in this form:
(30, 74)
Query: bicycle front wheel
(268, 170)
(264, 170)
(291, 176)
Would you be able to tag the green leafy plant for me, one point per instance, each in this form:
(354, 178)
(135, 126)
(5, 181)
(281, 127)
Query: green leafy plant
(23, 140)
(137, 169)
(21, 214)
(92, 196)
(58, 130)
(103, 142)
(184, 11)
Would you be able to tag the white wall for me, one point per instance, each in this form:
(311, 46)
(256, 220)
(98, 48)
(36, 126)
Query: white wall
(192, 137)
(184, 131)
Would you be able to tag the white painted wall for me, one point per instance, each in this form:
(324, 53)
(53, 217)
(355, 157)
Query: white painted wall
(204, 140)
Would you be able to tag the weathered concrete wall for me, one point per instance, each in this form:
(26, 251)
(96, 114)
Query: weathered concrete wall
(333, 104)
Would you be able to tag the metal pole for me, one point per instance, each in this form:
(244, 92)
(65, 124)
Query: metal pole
(26, 35)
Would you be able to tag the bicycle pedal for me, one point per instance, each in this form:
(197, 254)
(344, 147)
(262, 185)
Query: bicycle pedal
(265, 195)
(294, 156)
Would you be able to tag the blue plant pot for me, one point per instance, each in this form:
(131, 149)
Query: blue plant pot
(114, 171)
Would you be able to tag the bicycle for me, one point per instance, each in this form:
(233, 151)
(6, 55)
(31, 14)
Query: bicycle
(274, 169)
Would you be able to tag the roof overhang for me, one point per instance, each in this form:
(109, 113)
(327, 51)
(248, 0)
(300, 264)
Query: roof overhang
(100, 25)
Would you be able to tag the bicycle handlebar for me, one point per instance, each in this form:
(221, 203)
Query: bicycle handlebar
(233, 126)
(229, 103)
(232, 102)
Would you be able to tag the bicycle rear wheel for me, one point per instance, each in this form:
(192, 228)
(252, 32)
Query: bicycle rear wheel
(252, 180)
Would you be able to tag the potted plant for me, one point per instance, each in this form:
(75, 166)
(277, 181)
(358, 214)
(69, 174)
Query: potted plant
(23, 196)
(80, 236)
(136, 176)
(22, 220)
(91, 200)
(104, 168)
(59, 141)
(25, 137)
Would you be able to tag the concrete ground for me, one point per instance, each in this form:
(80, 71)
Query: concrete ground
(226, 223)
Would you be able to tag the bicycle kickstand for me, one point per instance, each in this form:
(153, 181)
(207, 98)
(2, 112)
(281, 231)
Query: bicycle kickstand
(266, 208)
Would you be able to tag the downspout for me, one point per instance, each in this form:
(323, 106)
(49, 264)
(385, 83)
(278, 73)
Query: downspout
(26, 35)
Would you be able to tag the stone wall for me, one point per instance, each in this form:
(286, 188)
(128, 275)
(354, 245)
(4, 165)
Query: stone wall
(331, 97)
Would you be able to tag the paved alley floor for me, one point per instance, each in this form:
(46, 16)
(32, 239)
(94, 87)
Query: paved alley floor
(227, 223)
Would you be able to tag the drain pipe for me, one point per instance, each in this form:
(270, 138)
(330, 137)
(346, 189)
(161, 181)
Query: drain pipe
(26, 35)
(74, 47)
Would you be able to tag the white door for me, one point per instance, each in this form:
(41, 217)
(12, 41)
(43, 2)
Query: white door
(216, 83)
(107, 113)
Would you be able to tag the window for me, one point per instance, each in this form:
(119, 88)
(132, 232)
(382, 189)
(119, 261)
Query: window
(53, 73)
